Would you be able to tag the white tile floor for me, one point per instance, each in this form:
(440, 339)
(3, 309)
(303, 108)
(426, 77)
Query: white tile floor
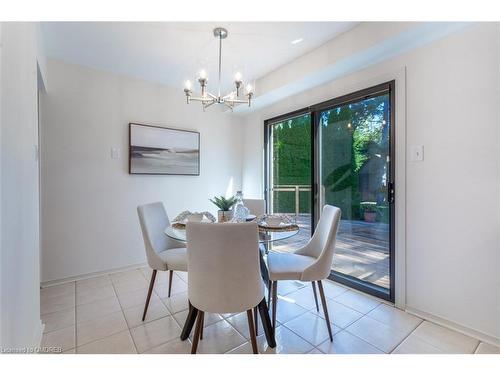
(103, 315)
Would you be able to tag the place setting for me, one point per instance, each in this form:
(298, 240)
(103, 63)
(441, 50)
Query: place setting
(233, 210)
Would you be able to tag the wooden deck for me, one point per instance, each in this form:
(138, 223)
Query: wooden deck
(362, 249)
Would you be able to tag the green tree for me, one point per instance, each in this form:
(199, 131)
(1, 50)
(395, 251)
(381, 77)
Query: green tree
(292, 161)
(354, 146)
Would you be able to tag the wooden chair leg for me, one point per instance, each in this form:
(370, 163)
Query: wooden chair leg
(325, 309)
(197, 331)
(150, 291)
(275, 303)
(171, 276)
(251, 328)
(256, 320)
(315, 295)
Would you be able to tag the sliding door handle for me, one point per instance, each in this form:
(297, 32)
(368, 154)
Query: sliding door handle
(391, 193)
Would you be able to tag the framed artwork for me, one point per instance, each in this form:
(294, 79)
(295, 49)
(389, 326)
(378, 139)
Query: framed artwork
(159, 150)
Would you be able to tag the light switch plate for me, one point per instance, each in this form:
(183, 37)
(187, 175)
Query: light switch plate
(417, 153)
(115, 153)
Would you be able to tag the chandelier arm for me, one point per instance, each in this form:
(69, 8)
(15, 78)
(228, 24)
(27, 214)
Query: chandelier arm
(229, 95)
(201, 99)
(209, 104)
(238, 101)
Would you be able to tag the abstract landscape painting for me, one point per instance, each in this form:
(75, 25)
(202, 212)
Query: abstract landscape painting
(158, 150)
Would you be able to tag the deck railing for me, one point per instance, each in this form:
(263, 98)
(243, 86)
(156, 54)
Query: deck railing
(293, 188)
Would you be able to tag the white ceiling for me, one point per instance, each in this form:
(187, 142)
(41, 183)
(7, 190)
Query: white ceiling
(172, 52)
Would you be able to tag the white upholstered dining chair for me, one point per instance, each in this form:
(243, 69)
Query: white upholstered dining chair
(256, 207)
(162, 252)
(224, 272)
(312, 262)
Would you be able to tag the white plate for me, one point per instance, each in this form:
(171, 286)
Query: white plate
(281, 225)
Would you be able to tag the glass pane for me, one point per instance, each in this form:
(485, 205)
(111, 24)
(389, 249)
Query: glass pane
(354, 167)
(290, 175)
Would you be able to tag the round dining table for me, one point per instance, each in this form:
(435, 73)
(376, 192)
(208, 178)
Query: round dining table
(265, 237)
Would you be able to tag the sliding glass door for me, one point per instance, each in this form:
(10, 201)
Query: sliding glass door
(289, 173)
(356, 174)
(344, 148)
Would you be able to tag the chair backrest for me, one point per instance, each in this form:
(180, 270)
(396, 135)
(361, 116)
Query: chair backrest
(322, 244)
(154, 219)
(257, 207)
(223, 266)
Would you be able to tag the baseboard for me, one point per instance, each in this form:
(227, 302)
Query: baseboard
(38, 334)
(45, 284)
(481, 336)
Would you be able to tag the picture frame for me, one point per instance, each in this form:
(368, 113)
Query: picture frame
(158, 150)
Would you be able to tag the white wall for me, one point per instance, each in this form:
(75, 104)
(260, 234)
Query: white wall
(89, 218)
(20, 296)
(452, 197)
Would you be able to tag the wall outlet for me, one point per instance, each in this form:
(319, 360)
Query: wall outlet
(115, 153)
(417, 153)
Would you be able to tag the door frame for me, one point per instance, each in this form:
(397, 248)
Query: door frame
(353, 97)
(314, 110)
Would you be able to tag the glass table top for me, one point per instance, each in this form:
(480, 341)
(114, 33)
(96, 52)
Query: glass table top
(264, 237)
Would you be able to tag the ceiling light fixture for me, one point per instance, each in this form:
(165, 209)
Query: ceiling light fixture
(297, 41)
(207, 98)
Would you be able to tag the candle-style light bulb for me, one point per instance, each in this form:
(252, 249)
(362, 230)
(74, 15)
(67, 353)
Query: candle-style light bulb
(249, 89)
(238, 77)
(188, 85)
(203, 74)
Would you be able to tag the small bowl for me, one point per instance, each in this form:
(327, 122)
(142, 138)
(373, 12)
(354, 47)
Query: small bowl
(195, 218)
(273, 221)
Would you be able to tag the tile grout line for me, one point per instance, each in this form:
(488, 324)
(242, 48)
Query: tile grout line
(311, 310)
(123, 315)
(408, 335)
(171, 314)
(166, 342)
(354, 321)
(304, 313)
(104, 337)
(306, 340)
(319, 316)
(477, 347)
(452, 330)
(239, 346)
(129, 329)
(248, 340)
(366, 315)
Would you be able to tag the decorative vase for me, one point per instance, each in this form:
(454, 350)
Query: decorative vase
(224, 216)
(240, 212)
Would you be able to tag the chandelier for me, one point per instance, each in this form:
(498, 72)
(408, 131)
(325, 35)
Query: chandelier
(207, 99)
